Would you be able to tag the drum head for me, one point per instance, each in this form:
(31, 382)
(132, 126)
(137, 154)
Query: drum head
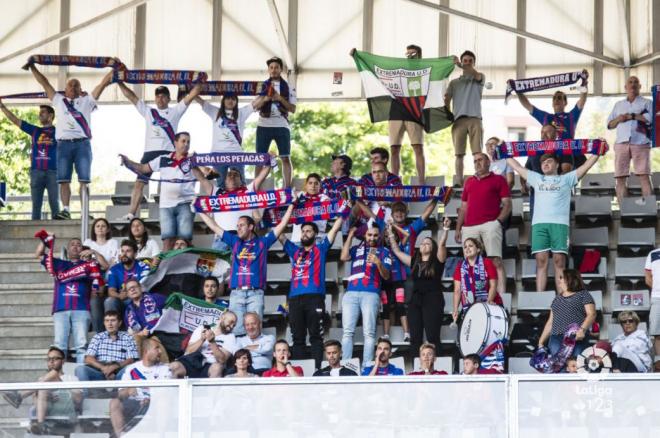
(474, 329)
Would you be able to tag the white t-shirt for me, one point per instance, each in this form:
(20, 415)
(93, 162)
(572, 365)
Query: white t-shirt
(500, 167)
(173, 194)
(653, 265)
(151, 249)
(228, 219)
(109, 250)
(139, 371)
(155, 138)
(67, 126)
(228, 342)
(223, 139)
(276, 120)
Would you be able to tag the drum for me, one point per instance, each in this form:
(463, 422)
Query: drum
(482, 325)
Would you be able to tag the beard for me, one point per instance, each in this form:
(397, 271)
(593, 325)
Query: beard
(125, 259)
(307, 241)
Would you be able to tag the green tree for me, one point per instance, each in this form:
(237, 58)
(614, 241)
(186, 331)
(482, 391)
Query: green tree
(15, 156)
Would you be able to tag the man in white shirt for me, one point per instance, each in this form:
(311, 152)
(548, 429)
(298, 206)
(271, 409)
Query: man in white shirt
(73, 112)
(161, 124)
(632, 119)
(276, 102)
(652, 279)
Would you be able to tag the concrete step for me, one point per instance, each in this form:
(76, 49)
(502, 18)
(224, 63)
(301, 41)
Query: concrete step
(15, 376)
(40, 342)
(26, 229)
(26, 297)
(25, 277)
(7, 411)
(21, 265)
(48, 285)
(22, 245)
(26, 310)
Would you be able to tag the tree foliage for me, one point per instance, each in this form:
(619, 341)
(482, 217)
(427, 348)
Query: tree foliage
(15, 156)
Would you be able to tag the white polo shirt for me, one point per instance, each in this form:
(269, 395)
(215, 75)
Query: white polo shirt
(173, 194)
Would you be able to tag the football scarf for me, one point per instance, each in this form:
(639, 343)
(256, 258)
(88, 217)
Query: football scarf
(233, 127)
(542, 362)
(232, 159)
(79, 61)
(242, 201)
(492, 357)
(267, 89)
(221, 88)
(37, 95)
(78, 117)
(308, 211)
(521, 86)
(511, 149)
(164, 124)
(476, 281)
(655, 117)
(402, 193)
(158, 76)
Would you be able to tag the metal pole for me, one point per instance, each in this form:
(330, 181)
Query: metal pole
(84, 213)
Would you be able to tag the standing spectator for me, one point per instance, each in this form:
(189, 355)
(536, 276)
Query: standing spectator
(312, 193)
(71, 310)
(109, 352)
(137, 232)
(127, 268)
(248, 263)
(73, 111)
(552, 206)
(228, 126)
(209, 349)
(332, 350)
(133, 402)
(632, 119)
(51, 402)
(633, 344)
(282, 366)
(380, 156)
(499, 167)
(465, 92)
(370, 265)
(573, 305)
(652, 280)
(259, 345)
(242, 364)
(307, 294)
(338, 183)
(274, 103)
(485, 206)
(161, 124)
(100, 241)
(402, 121)
(382, 365)
(426, 303)
(427, 362)
(43, 159)
(475, 278)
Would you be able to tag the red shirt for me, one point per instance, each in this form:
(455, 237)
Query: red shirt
(483, 197)
(273, 372)
(491, 271)
(421, 373)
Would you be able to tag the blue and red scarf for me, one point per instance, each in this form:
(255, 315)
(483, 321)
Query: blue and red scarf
(543, 362)
(80, 61)
(164, 124)
(511, 149)
(158, 76)
(521, 86)
(222, 88)
(242, 201)
(401, 193)
(36, 95)
(78, 117)
(308, 211)
(477, 281)
(232, 125)
(268, 89)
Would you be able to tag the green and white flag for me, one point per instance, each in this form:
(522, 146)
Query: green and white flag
(182, 314)
(204, 262)
(412, 86)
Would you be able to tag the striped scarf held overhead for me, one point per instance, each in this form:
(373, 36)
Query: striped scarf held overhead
(224, 88)
(79, 61)
(543, 83)
(158, 76)
(401, 193)
(511, 149)
(243, 200)
(308, 211)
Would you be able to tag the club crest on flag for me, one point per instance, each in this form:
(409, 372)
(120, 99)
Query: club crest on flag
(402, 82)
(205, 264)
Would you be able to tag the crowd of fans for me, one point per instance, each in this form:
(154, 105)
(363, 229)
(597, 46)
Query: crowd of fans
(389, 269)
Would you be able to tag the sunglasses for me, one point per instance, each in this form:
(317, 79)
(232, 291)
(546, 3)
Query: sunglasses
(628, 321)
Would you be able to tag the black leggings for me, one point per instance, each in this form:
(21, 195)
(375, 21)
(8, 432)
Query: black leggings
(425, 313)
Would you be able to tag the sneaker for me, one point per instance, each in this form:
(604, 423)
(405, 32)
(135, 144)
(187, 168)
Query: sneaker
(406, 337)
(640, 201)
(63, 215)
(386, 336)
(40, 429)
(13, 398)
(127, 217)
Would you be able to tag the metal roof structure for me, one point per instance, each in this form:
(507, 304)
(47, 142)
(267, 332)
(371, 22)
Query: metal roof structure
(231, 39)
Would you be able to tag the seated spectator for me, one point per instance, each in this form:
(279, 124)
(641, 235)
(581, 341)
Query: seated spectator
(242, 364)
(427, 362)
(379, 156)
(633, 344)
(475, 278)
(382, 365)
(133, 402)
(137, 232)
(109, 352)
(211, 289)
(471, 364)
(51, 402)
(127, 268)
(332, 350)
(181, 243)
(499, 167)
(619, 364)
(209, 349)
(142, 313)
(282, 366)
(652, 281)
(259, 345)
(104, 247)
(571, 365)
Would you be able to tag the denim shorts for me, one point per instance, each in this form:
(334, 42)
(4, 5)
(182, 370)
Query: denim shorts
(72, 154)
(177, 222)
(282, 137)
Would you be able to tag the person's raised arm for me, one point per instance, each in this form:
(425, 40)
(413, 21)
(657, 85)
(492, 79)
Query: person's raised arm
(442, 243)
(430, 208)
(583, 96)
(545, 335)
(332, 234)
(345, 255)
(12, 118)
(524, 101)
(128, 93)
(212, 224)
(515, 165)
(205, 185)
(43, 81)
(41, 249)
(107, 80)
(259, 179)
(260, 101)
(364, 208)
(192, 94)
(133, 165)
(279, 229)
(581, 171)
(394, 246)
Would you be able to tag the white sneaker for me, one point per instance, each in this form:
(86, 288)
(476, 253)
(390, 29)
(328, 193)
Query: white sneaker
(127, 217)
(640, 201)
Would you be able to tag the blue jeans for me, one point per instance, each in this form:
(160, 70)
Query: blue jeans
(177, 222)
(72, 154)
(41, 180)
(352, 305)
(87, 373)
(555, 341)
(75, 322)
(243, 301)
(282, 137)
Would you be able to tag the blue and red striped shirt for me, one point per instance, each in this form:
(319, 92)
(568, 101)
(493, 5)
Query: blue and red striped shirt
(307, 267)
(248, 262)
(118, 275)
(565, 123)
(365, 277)
(43, 155)
(71, 295)
(333, 186)
(392, 180)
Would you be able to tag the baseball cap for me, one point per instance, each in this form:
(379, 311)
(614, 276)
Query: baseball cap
(162, 90)
(348, 163)
(275, 59)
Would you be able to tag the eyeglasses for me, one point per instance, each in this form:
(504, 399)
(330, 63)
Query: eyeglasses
(628, 321)
(52, 358)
